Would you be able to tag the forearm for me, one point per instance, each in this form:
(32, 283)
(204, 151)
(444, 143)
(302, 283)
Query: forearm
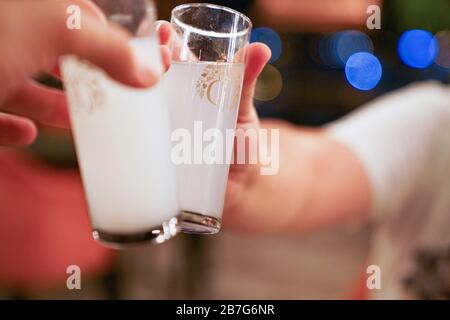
(319, 183)
(315, 14)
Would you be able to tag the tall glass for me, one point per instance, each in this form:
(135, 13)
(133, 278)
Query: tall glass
(205, 83)
(122, 138)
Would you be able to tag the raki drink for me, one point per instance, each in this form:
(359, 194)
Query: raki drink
(207, 94)
(122, 138)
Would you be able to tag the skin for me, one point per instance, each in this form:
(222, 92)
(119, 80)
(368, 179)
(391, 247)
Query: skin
(320, 181)
(33, 36)
(318, 15)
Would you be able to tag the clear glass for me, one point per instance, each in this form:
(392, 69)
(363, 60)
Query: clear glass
(122, 137)
(205, 83)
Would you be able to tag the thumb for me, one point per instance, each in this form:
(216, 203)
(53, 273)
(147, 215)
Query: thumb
(35, 34)
(258, 54)
(107, 46)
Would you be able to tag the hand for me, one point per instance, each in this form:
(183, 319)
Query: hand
(242, 176)
(320, 181)
(33, 35)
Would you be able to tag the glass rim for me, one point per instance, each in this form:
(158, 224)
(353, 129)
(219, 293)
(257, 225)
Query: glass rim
(248, 21)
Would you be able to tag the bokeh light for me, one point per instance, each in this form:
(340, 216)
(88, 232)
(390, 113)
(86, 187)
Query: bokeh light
(363, 71)
(443, 58)
(269, 84)
(418, 48)
(271, 38)
(335, 49)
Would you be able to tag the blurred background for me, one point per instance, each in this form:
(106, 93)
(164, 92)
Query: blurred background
(309, 81)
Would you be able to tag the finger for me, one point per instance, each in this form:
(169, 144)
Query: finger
(94, 11)
(168, 37)
(165, 57)
(39, 103)
(16, 131)
(258, 55)
(164, 30)
(111, 52)
(37, 34)
(56, 72)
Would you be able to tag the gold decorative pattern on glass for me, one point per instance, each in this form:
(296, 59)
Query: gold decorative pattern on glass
(214, 77)
(84, 89)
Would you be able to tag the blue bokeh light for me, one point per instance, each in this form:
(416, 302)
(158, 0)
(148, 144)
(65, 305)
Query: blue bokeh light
(418, 48)
(363, 71)
(335, 49)
(271, 39)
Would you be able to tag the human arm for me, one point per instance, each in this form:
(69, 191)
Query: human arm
(318, 15)
(372, 164)
(320, 183)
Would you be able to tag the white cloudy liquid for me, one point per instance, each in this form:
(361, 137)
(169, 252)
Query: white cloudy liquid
(122, 137)
(206, 94)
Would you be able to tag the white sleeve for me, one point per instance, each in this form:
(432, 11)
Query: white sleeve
(396, 137)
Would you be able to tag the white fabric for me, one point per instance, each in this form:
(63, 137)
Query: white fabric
(403, 142)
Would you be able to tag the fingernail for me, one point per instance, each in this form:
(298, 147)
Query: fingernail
(158, 25)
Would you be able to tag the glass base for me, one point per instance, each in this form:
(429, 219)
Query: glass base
(157, 235)
(197, 223)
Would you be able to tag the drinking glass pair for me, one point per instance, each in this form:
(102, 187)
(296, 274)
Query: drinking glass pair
(155, 161)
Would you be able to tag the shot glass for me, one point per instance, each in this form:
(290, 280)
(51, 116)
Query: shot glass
(205, 83)
(122, 138)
